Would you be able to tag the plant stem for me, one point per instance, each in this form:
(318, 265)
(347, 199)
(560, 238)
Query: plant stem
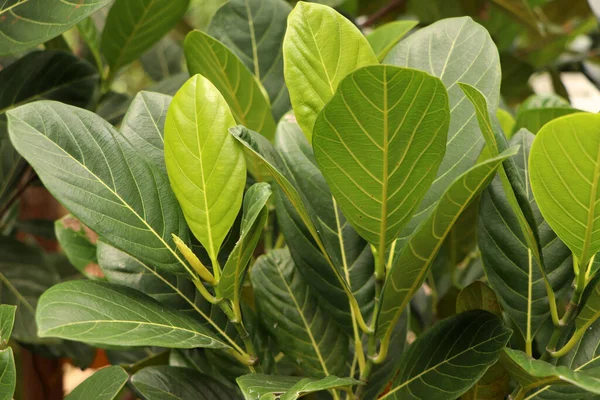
(244, 335)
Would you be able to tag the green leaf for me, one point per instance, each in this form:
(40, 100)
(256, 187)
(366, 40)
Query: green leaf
(320, 48)
(506, 121)
(242, 90)
(7, 321)
(508, 261)
(89, 33)
(386, 36)
(254, 218)
(206, 166)
(493, 385)
(260, 386)
(8, 374)
(24, 275)
(105, 384)
(583, 357)
(478, 296)
(411, 266)
(533, 119)
(464, 347)
(292, 314)
(355, 261)
(564, 167)
(531, 373)
(11, 166)
(164, 60)
(254, 31)
(25, 24)
(76, 243)
(441, 49)
(108, 314)
(380, 176)
(50, 75)
(161, 382)
(78, 156)
(143, 126)
(132, 27)
(522, 10)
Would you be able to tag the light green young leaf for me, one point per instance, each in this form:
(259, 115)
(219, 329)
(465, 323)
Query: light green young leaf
(455, 50)
(379, 142)
(240, 88)
(7, 321)
(179, 384)
(411, 266)
(104, 384)
(291, 313)
(254, 218)
(103, 313)
(143, 126)
(270, 387)
(132, 27)
(8, 374)
(386, 36)
(76, 243)
(84, 158)
(466, 345)
(205, 164)
(320, 48)
(531, 373)
(564, 167)
(254, 31)
(25, 24)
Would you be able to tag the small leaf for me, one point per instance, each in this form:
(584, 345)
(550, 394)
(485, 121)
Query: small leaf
(242, 91)
(254, 219)
(320, 48)
(154, 383)
(386, 36)
(76, 243)
(104, 384)
(410, 267)
(291, 313)
(143, 126)
(7, 321)
(85, 158)
(25, 24)
(478, 296)
(531, 373)
(254, 30)
(8, 374)
(564, 167)
(466, 345)
(455, 50)
(103, 313)
(259, 386)
(378, 162)
(132, 27)
(206, 166)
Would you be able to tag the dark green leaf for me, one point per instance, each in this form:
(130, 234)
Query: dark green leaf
(478, 296)
(103, 313)
(448, 359)
(291, 313)
(493, 385)
(132, 27)
(163, 60)
(254, 31)
(259, 386)
(24, 275)
(105, 384)
(25, 24)
(83, 157)
(164, 382)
